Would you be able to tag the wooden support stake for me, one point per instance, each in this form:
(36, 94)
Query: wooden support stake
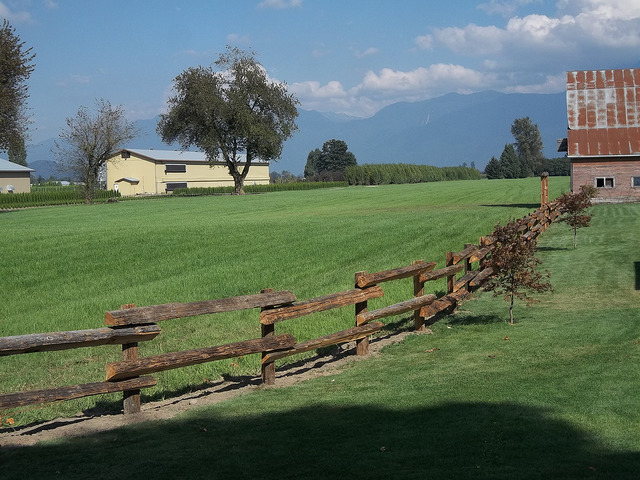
(130, 398)
(467, 264)
(418, 291)
(450, 278)
(268, 370)
(362, 344)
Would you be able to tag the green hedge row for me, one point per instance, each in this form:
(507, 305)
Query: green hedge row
(386, 173)
(67, 196)
(272, 187)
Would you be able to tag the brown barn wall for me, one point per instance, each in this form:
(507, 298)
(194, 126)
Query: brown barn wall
(585, 171)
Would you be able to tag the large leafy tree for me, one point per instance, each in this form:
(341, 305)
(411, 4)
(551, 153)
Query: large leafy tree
(313, 160)
(334, 157)
(514, 263)
(234, 111)
(15, 69)
(528, 145)
(90, 138)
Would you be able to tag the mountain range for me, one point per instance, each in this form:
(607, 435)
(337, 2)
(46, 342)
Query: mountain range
(445, 131)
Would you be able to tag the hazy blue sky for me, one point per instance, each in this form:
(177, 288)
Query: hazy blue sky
(348, 56)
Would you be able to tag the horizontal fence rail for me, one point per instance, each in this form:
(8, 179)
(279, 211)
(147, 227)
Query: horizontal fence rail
(130, 324)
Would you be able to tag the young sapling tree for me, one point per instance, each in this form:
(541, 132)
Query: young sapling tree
(514, 265)
(572, 207)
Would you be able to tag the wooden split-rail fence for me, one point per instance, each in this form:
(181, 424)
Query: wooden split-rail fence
(130, 325)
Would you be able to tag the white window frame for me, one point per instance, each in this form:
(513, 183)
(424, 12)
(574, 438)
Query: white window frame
(633, 179)
(604, 182)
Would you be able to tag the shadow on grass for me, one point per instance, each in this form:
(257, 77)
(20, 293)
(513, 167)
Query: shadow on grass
(552, 249)
(449, 441)
(463, 319)
(534, 206)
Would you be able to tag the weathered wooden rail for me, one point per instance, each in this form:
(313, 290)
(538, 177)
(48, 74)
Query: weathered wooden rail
(130, 325)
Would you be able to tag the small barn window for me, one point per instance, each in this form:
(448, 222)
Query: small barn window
(175, 168)
(172, 186)
(635, 181)
(605, 182)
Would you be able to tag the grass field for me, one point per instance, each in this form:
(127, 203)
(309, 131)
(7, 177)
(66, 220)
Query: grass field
(555, 396)
(63, 267)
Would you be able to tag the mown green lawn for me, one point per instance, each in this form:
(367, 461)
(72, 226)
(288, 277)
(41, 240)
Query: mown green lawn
(63, 267)
(554, 396)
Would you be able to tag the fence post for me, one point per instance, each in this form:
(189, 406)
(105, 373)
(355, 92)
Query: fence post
(130, 398)
(544, 189)
(467, 269)
(418, 291)
(362, 345)
(268, 371)
(451, 279)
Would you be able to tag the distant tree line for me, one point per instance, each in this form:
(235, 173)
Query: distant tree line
(397, 173)
(524, 157)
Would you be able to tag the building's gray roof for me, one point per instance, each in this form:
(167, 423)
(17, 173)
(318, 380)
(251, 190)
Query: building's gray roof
(7, 166)
(171, 155)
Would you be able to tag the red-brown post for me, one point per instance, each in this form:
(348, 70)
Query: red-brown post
(362, 345)
(418, 291)
(544, 187)
(451, 279)
(269, 369)
(130, 398)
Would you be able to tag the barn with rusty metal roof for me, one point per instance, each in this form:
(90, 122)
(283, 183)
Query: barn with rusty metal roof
(603, 136)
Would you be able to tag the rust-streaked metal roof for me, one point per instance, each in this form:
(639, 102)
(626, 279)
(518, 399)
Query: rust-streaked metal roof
(603, 110)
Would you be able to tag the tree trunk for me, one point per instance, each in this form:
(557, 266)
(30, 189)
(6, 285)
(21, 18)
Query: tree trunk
(239, 185)
(575, 238)
(511, 311)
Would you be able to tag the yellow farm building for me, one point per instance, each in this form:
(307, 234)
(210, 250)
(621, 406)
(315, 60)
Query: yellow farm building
(15, 178)
(151, 172)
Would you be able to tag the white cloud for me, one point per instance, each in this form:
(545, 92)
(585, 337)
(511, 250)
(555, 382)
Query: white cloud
(17, 17)
(280, 4)
(74, 79)
(506, 8)
(320, 52)
(524, 54)
(237, 39)
(367, 53)
(571, 36)
(314, 89)
(472, 39)
(424, 42)
(422, 82)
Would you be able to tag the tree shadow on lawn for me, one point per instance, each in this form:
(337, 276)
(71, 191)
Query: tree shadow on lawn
(535, 206)
(448, 441)
(462, 318)
(552, 249)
